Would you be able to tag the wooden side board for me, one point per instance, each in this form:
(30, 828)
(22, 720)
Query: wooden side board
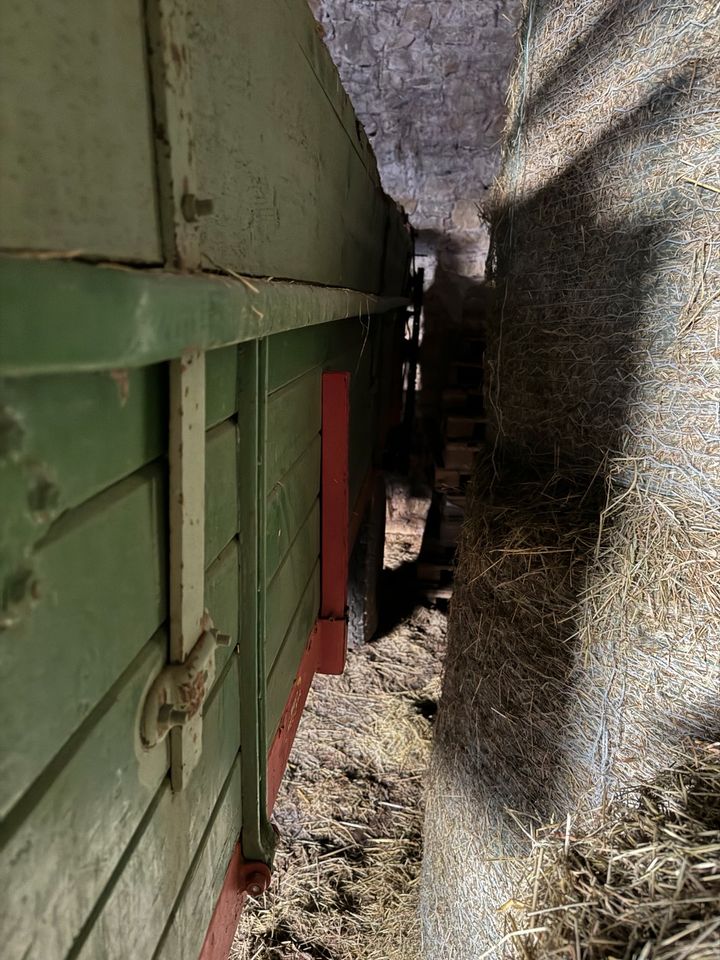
(77, 164)
(134, 130)
(294, 187)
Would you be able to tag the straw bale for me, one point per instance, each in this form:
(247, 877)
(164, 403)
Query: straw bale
(500, 756)
(584, 638)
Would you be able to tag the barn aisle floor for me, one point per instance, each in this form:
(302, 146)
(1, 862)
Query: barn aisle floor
(350, 810)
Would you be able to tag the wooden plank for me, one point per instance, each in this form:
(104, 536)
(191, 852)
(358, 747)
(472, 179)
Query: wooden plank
(161, 853)
(191, 915)
(53, 877)
(463, 428)
(186, 456)
(289, 503)
(272, 153)
(293, 420)
(74, 435)
(460, 456)
(90, 609)
(57, 316)
(87, 610)
(294, 353)
(117, 425)
(287, 588)
(221, 510)
(221, 385)
(286, 666)
(76, 156)
(56, 862)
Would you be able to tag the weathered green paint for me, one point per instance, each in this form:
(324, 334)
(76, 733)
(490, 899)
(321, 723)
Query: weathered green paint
(221, 512)
(287, 663)
(150, 880)
(271, 154)
(45, 468)
(59, 316)
(58, 875)
(293, 422)
(288, 585)
(76, 154)
(185, 933)
(95, 595)
(290, 502)
(84, 407)
(57, 861)
(221, 384)
(88, 599)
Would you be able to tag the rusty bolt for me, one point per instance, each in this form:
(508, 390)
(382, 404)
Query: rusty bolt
(256, 884)
(193, 207)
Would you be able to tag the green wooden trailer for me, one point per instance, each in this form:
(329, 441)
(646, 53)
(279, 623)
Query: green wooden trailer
(202, 300)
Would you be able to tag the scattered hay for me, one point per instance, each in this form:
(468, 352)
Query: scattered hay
(350, 809)
(644, 884)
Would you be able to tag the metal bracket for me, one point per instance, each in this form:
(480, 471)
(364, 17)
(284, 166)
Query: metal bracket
(178, 694)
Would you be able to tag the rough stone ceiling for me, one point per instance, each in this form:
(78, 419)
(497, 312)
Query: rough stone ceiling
(428, 78)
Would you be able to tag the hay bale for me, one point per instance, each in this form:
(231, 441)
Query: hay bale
(565, 685)
(500, 758)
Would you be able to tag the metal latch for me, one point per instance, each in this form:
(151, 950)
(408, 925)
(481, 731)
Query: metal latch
(174, 701)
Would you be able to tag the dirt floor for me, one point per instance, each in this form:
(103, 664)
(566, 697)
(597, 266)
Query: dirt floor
(350, 813)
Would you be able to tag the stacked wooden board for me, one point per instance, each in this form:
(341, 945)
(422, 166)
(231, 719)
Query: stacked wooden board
(463, 434)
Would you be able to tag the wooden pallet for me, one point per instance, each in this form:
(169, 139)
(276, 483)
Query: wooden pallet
(464, 427)
(460, 457)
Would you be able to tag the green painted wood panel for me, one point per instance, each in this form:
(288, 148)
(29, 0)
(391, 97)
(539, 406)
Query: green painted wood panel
(71, 437)
(289, 504)
(185, 933)
(95, 594)
(79, 820)
(76, 154)
(221, 385)
(135, 907)
(103, 776)
(95, 591)
(294, 193)
(58, 316)
(286, 589)
(293, 415)
(293, 353)
(221, 510)
(287, 663)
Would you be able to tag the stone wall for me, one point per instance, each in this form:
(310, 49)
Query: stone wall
(428, 79)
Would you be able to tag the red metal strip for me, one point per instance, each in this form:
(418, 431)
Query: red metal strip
(223, 925)
(241, 878)
(334, 495)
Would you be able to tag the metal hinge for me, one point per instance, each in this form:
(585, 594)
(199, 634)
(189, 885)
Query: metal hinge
(175, 701)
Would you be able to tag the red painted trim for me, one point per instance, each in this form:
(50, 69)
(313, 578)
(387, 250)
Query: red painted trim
(334, 496)
(220, 933)
(285, 735)
(241, 878)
